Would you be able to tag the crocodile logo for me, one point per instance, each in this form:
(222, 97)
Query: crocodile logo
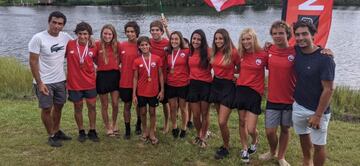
(56, 48)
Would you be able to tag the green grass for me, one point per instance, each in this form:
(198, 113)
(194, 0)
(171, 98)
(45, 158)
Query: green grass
(23, 142)
(16, 79)
(346, 102)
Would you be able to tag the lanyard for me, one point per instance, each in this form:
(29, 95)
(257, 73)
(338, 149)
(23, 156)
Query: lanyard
(86, 49)
(174, 59)
(147, 66)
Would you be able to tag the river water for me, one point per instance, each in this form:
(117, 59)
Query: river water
(19, 24)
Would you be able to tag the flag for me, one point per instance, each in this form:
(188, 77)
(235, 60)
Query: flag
(319, 12)
(221, 5)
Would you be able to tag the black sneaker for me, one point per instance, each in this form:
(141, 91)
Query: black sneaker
(92, 135)
(190, 125)
(245, 156)
(221, 153)
(62, 136)
(82, 136)
(138, 129)
(54, 142)
(175, 132)
(182, 133)
(252, 149)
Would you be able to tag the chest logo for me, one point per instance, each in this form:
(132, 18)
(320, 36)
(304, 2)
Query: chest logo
(141, 65)
(56, 48)
(291, 58)
(72, 52)
(258, 61)
(270, 55)
(165, 48)
(122, 52)
(91, 54)
(308, 67)
(182, 55)
(153, 64)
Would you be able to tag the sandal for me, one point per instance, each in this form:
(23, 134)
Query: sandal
(196, 140)
(144, 138)
(110, 134)
(202, 144)
(154, 141)
(116, 132)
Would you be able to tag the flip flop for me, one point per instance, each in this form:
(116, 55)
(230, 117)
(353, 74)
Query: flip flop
(116, 132)
(154, 141)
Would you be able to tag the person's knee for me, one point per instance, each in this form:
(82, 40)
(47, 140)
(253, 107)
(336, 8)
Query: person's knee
(284, 130)
(319, 148)
(222, 123)
(242, 122)
(270, 132)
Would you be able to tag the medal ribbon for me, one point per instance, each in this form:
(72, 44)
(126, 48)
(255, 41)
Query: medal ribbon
(86, 50)
(147, 66)
(174, 59)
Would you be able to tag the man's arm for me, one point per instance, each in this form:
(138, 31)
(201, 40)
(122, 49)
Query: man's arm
(34, 67)
(325, 98)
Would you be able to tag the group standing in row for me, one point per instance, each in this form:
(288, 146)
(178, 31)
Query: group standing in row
(145, 71)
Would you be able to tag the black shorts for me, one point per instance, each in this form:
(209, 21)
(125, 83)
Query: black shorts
(151, 101)
(126, 94)
(172, 91)
(247, 99)
(222, 91)
(107, 81)
(78, 95)
(198, 91)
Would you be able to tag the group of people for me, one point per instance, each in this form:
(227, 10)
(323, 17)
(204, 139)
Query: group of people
(144, 71)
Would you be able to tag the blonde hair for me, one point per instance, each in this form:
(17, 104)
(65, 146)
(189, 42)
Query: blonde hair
(255, 45)
(226, 48)
(113, 42)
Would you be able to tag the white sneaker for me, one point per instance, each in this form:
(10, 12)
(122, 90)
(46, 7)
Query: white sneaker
(283, 162)
(267, 156)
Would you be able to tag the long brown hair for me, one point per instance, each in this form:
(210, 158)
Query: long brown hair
(113, 43)
(226, 48)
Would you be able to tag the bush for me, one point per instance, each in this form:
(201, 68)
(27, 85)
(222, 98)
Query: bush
(16, 79)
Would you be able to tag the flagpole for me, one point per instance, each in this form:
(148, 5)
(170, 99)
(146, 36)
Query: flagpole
(162, 10)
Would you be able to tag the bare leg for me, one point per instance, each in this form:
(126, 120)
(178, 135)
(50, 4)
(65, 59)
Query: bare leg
(306, 149)
(272, 139)
(319, 155)
(251, 127)
(195, 107)
(56, 114)
(173, 112)
(152, 113)
(224, 114)
(115, 108)
(47, 120)
(143, 112)
(127, 112)
(104, 112)
(91, 105)
(243, 129)
(205, 119)
(184, 113)
(283, 141)
(78, 106)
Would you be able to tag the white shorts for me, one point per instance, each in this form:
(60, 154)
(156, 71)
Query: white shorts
(300, 118)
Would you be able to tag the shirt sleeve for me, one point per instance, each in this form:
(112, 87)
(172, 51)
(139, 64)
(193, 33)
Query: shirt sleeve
(327, 72)
(135, 65)
(35, 44)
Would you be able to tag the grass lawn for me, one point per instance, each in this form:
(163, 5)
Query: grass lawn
(23, 142)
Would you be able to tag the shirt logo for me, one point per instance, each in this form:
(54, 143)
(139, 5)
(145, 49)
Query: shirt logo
(72, 52)
(258, 61)
(308, 67)
(291, 58)
(141, 65)
(153, 64)
(182, 55)
(122, 52)
(56, 48)
(270, 55)
(91, 54)
(165, 48)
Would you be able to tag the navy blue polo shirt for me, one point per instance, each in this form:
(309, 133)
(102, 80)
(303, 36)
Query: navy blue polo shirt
(310, 70)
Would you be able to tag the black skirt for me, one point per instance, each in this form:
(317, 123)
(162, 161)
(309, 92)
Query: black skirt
(222, 92)
(107, 81)
(198, 91)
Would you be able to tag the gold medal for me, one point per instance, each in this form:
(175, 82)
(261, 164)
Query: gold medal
(149, 79)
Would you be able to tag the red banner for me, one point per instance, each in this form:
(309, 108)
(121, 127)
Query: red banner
(221, 5)
(317, 11)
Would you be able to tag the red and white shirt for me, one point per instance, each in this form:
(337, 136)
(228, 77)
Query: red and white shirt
(281, 83)
(178, 75)
(252, 71)
(128, 53)
(225, 71)
(80, 76)
(145, 87)
(196, 71)
(113, 60)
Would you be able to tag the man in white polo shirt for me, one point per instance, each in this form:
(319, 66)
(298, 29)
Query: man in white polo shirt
(47, 52)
